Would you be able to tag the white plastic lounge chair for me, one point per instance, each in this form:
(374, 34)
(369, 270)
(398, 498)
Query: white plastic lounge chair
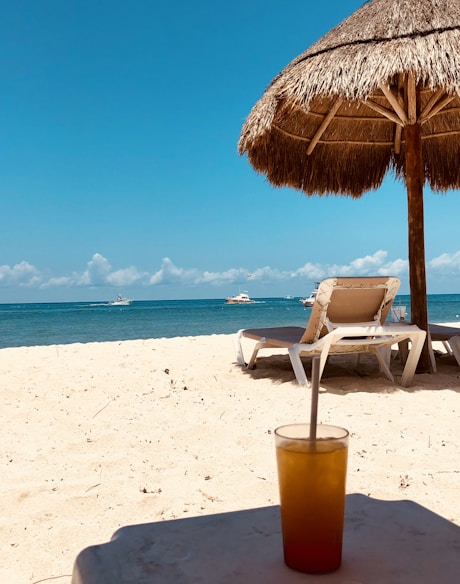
(450, 338)
(348, 316)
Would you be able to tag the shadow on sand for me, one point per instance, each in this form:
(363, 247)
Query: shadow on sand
(345, 373)
(385, 542)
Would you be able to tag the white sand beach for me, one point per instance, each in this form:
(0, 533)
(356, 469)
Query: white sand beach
(101, 435)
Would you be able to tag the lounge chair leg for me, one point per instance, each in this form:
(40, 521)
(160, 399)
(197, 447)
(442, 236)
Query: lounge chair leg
(383, 355)
(322, 363)
(447, 347)
(413, 357)
(454, 343)
(252, 360)
(294, 355)
(431, 352)
(403, 350)
(239, 349)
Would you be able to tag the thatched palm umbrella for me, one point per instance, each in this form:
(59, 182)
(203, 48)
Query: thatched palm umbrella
(379, 92)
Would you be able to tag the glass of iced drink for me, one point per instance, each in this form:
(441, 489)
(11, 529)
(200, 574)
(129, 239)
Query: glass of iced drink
(311, 476)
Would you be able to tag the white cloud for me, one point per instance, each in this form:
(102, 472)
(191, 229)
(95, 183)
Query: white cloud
(125, 277)
(99, 273)
(22, 274)
(232, 275)
(394, 268)
(267, 273)
(376, 263)
(171, 274)
(311, 271)
(59, 281)
(447, 263)
(366, 265)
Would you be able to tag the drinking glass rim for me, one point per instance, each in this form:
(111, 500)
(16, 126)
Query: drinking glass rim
(306, 438)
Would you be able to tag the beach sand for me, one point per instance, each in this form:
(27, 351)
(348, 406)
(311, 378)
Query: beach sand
(101, 435)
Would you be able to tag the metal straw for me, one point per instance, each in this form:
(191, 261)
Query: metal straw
(314, 397)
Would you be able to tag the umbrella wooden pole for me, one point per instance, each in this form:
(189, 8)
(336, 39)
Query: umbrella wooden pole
(417, 276)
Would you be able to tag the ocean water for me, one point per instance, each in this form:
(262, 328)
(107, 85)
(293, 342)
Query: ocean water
(80, 322)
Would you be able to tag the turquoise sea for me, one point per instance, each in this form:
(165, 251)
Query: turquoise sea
(83, 322)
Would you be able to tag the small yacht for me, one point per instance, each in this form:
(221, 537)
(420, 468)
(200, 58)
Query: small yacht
(120, 301)
(241, 298)
(310, 300)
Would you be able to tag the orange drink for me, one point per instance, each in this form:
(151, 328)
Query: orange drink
(311, 475)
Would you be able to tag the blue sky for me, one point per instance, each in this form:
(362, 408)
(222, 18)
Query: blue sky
(119, 169)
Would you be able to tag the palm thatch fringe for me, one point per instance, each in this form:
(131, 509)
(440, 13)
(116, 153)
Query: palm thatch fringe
(388, 65)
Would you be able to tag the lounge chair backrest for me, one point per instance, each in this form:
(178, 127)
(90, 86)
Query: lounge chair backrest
(350, 300)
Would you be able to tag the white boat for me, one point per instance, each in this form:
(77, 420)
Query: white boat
(310, 300)
(241, 298)
(120, 301)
